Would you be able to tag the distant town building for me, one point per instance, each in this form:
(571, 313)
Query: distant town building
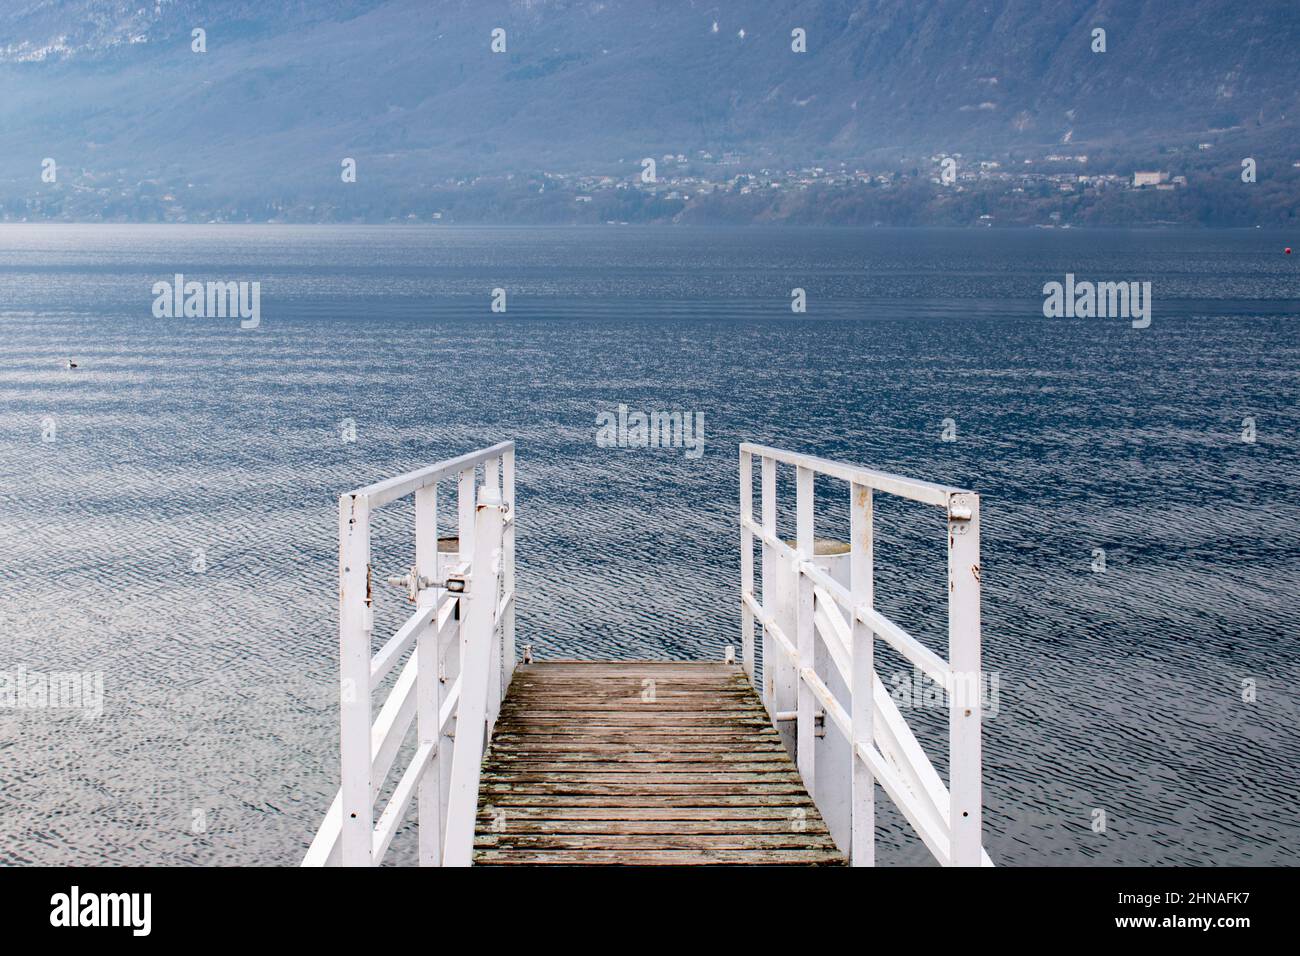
(1149, 178)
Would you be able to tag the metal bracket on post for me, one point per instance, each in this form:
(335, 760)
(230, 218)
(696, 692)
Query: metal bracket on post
(415, 583)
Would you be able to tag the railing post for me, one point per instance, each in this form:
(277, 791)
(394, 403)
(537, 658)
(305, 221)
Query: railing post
(466, 492)
(746, 563)
(964, 704)
(448, 673)
(355, 624)
(465, 489)
(774, 667)
(862, 587)
(508, 568)
(428, 690)
(495, 691)
(477, 627)
(805, 628)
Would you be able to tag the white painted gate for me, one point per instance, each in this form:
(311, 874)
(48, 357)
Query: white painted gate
(844, 620)
(457, 668)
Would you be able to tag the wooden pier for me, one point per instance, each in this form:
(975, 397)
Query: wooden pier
(642, 763)
(506, 761)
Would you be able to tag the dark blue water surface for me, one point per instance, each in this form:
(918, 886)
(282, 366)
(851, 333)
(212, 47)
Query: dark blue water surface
(1119, 692)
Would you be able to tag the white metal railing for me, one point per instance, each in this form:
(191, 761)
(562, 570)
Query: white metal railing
(457, 668)
(881, 748)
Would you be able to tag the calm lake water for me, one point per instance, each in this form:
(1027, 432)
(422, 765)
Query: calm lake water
(1119, 692)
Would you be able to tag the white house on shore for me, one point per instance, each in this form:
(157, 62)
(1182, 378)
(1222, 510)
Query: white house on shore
(1149, 179)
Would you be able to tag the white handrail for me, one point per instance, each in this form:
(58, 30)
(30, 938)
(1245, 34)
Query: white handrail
(881, 745)
(390, 489)
(454, 676)
(401, 642)
(923, 491)
(930, 663)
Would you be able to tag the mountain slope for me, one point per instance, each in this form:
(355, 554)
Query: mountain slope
(411, 89)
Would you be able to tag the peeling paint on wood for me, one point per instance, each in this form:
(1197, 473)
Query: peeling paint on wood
(584, 769)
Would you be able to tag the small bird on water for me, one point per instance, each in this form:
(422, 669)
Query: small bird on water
(71, 364)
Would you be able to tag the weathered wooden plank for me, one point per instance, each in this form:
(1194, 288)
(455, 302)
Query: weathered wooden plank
(488, 813)
(639, 788)
(719, 673)
(710, 706)
(705, 706)
(699, 857)
(623, 676)
(631, 690)
(770, 826)
(652, 729)
(740, 729)
(687, 686)
(674, 719)
(644, 800)
(666, 757)
(544, 747)
(656, 841)
(701, 704)
(532, 768)
(650, 753)
(678, 778)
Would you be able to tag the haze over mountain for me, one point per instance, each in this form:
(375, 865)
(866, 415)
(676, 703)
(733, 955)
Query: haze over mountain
(411, 89)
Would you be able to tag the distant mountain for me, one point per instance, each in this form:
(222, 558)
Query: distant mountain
(411, 89)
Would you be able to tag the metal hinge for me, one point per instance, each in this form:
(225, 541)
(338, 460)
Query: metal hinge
(414, 582)
(960, 512)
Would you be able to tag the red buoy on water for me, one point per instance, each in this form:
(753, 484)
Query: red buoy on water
(1288, 250)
